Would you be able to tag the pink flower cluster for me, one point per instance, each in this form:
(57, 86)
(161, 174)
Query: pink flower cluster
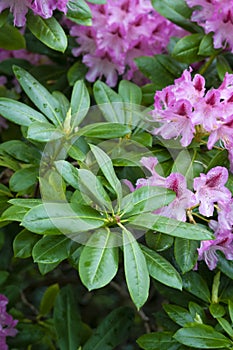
(215, 16)
(209, 193)
(121, 31)
(19, 8)
(185, 110)
(7, 323)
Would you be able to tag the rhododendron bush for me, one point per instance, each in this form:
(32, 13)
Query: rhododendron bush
(116, 168)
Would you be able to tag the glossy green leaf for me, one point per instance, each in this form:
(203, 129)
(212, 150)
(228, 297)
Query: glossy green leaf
(160, 69)
(230, 308)
(25, 202)
(223, 67)
(161, 270)
(67, 320)
(146, 199)
(98, 262)
(224, 265)
(19, 113)
(68, 172)
(227, 327)
(39, 95)
(4, 191)
(158, 341)
(11, 38)
(110, 103)
(79, 12)
(105, 130)
(24, 243)
(97, 1)
(59, 218)
(46, 268)
(63, 102)
(13, 213)
(217, 310)
(21, 150)
(80, 103)
(91, 186)
(202, 336)
(186, 255)
(196, 285)
(48, 31)
(136, 272)
(44, 132)
(24, 178)
(206, 47)
(51, 249)
(107, 169)
(76, 72)
(178, 314)
(130, 92)
(158, 241)
(112, 330)
(48, 299)
(187, 48)
(177, 12)
(170, 227)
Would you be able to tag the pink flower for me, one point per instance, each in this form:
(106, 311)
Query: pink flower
(121, 31)
(210, 189)
(7, 323)
(19, 8)
(208, 249)
(217, 17)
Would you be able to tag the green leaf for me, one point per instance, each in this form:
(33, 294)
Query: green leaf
(3, 17)
(136, 272)
(24, 243)
(97, 1)
(105, 130)
(224, 265)
(67, 320)
(51, 249)
(48, 31)
(112, 331)
(202, 336)
(223, 67)
(91, 186)
(80, 103)
(110, 103)
(230, 308)
(62, 218)
(187, 49)
(21, 151)
(206, 47)
(13, 213)
(23, 179)
(107, 169)
(158, 241)
(39, 95)
(4, 191)
(11, 38)
(68, 172)
(46, 268)
(130, 92)
(196, 285)
(19, 113)
(170, 227)
(146, 199)
(161, 270)
(217, 310)
(162, 70)
(98, 262)
(186, 255)
(47, 302)
(178, 314)
(177, 12)
(79, 12)
(158, 341)
(76, 72)
(225, 326)
(44, 132)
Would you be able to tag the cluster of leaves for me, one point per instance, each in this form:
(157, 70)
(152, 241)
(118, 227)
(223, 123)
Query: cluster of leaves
(65, 207)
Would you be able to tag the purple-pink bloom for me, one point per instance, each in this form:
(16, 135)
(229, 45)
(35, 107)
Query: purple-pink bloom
(7, 323)
(20, 8)
(210, 188)
(223, 242)
(121, 31)
(217, 17)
